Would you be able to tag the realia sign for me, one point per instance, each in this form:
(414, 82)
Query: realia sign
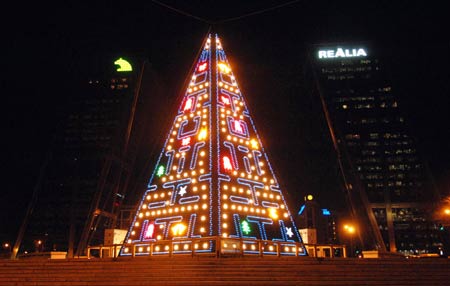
(342, 53)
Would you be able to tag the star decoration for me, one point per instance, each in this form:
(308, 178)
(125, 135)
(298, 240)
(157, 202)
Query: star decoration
(182, 190)
(289, 231)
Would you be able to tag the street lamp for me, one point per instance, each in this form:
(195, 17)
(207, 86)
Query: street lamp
(447, 211)
(7, 246)
(350, 229)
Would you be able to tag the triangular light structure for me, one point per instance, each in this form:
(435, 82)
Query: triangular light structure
(213, 189)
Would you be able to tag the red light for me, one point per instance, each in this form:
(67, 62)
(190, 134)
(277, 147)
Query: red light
(227, 164)
(238, 127)
(225, 100)
(202, 67)
(188, 104)
(149, 231)
(186, 141)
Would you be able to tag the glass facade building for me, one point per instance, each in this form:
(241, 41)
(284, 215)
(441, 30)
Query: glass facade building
(86, 155)
(384, 177)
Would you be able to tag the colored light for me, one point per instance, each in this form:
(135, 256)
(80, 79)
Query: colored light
(238, 127)
(224, 68)
(245, 227)
(186, 141)
(225, 100)
(227, 164)
(254, 144)
(326, 212)
(178, 229)
(124, 66)
(160, 171)
(188, 104)
(349, 228)
(203, 134)
(273, 213)
(150, 231)
(203, 67)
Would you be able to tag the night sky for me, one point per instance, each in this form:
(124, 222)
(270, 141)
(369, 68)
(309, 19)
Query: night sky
(49, 46)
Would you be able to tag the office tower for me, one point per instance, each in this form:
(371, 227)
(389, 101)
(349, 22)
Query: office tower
(93, 149)
(384, 177)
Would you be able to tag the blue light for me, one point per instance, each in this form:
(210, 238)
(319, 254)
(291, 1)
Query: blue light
(302, 208)
(326, 212)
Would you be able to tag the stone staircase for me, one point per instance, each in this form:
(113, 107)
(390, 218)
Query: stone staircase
(202, 270)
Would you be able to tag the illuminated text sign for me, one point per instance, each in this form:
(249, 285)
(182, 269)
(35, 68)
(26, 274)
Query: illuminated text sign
(342, 53)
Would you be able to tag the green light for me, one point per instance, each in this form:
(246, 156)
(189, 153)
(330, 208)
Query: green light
(160, 171)
(124, 66)
(245, 227)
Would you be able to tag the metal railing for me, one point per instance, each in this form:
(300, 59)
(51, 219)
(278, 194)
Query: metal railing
(216, 246)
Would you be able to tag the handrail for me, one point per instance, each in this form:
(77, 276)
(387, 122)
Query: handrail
(218, 246)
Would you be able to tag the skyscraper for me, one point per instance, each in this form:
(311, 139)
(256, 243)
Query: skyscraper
(385, 180)
(94, 149)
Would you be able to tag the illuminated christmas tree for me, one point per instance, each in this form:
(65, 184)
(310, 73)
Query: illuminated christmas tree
(213, 188)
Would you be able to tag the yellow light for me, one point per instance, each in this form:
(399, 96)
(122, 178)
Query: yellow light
(178, 229)
(447, 211)
(202, 135)
(205, 245)
(273, 213)
(224, 68)
(309, 197)
(349, 228)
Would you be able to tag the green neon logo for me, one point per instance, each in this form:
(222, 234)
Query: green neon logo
(124, 66)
